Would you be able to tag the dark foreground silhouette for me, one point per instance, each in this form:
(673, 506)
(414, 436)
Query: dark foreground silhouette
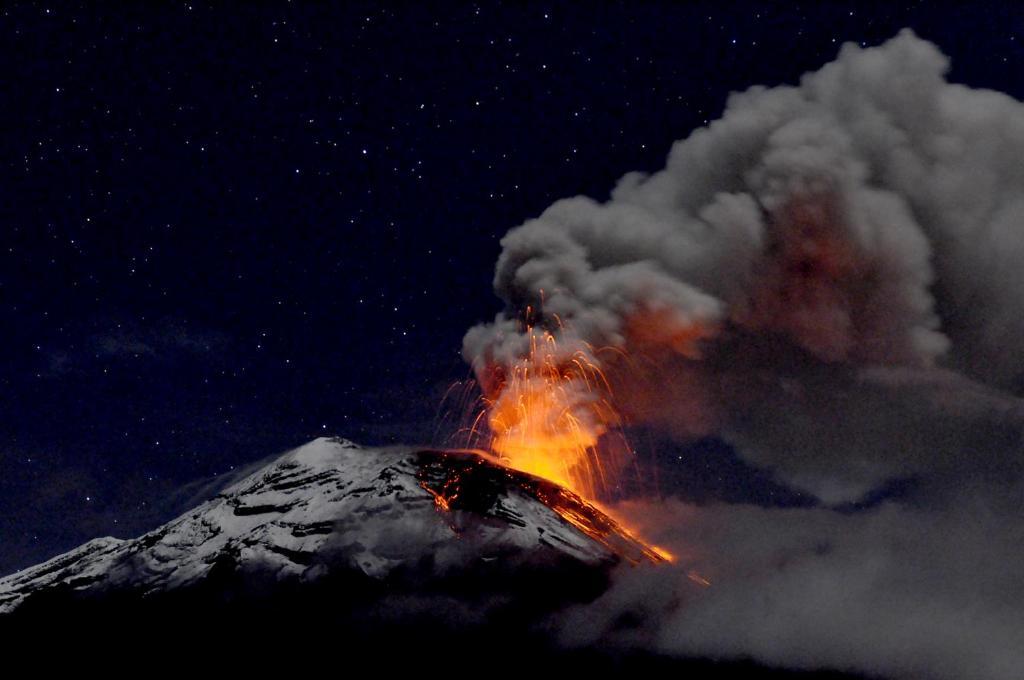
(488, 622)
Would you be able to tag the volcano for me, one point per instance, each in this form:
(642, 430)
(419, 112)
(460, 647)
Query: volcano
(334, 507)
(400, 557)
(350, 540)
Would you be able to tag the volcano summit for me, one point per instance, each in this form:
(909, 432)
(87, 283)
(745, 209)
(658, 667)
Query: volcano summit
(354, 537)
(333, 506)
(352, 548)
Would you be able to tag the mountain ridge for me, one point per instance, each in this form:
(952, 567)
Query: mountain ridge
(333, 504)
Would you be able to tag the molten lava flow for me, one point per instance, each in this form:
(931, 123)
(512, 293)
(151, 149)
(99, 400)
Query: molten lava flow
(472, 482)
(547, 414)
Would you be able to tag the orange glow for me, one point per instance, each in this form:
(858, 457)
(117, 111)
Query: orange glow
(547, 414)
(455, 478)
(663, 554)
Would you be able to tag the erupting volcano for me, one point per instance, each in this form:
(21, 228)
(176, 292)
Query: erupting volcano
(550, 413)
(545, 414)
(333, 509)
(787, 347)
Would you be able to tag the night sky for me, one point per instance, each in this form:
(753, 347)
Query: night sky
(229, 229)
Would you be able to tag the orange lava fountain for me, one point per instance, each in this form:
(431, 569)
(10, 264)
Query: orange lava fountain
(548, 413)
(545, 414)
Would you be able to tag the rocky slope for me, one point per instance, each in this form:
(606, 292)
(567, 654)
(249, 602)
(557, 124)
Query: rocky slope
(333, 506)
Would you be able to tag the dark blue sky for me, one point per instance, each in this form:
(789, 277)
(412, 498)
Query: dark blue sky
(225, 230)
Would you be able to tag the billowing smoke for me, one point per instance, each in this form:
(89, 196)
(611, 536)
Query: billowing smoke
(830, 278)
(869, 217)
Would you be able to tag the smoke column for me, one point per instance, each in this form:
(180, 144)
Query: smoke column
(869, 217)
(830, 278)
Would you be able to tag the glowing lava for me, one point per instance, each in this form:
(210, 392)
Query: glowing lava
(474, 482)
(545, 414)
(548, 412)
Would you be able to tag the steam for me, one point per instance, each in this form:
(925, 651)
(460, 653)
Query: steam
(829, 277)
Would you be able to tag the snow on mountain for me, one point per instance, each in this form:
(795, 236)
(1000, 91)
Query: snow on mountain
(332, 505)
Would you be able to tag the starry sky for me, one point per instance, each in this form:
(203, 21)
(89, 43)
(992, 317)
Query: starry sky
(228, 229)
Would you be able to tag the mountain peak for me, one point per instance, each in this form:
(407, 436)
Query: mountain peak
(332, 505)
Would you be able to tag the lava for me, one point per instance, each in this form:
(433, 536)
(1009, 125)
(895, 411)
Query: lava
(472, 480)
(546, 412)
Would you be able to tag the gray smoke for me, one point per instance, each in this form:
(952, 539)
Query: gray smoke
(829, 277)
(898, 592)
(869, 217)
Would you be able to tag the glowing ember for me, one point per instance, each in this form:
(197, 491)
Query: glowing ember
(695, 576)
(547, 414)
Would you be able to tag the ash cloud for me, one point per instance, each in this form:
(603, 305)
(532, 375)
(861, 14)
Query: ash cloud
(828, 277)
(925, 587)
(900, 592)
(867, 217)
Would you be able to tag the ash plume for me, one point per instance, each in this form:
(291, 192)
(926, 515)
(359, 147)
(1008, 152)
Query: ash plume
(828, 277)
(867, 218)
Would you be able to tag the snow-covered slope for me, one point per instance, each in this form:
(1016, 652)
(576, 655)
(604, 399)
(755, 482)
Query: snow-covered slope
(332, 505)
